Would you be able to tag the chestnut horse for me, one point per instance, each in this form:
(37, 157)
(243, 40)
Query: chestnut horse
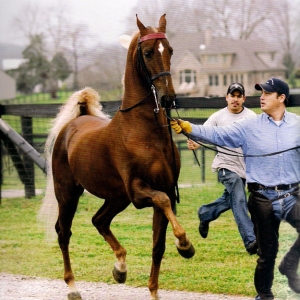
(130, 158)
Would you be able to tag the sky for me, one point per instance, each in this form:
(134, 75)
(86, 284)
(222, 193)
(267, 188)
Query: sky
(104, 17)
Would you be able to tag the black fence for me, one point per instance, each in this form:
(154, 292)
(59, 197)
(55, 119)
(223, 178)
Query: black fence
(32, 121)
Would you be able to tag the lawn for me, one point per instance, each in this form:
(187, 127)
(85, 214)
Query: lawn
(221, 265)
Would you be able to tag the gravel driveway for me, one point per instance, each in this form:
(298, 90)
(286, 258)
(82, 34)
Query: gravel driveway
(14, 287)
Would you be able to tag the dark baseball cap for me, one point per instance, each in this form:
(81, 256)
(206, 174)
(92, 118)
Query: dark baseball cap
(236, 86)
(274, 85)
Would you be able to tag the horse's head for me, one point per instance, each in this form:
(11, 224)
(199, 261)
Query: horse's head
(152, 53)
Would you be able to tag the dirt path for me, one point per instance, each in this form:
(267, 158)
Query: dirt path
(14, 287)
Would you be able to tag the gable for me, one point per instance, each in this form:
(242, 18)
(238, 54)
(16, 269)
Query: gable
(187, 61)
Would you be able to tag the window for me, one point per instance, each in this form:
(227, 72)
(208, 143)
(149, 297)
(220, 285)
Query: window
(216, 80)
(188, 76)
(224, 79)
(212, 59)
(213, 80)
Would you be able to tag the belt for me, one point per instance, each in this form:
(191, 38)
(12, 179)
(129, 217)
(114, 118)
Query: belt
(254, 186)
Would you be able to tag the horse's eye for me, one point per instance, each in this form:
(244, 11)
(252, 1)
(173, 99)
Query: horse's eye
(147, 54)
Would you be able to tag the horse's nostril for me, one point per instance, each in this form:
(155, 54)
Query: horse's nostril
(167, 101)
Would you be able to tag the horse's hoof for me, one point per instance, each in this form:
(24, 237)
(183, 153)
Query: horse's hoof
(155, 296)
(187, 252)
(74, 296)
(119, 276)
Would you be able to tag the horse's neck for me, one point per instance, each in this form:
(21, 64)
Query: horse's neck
(138, 91)
(143, 117)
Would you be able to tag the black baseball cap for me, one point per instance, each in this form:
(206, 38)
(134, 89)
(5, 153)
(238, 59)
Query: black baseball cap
(236, 86)
(274, 85)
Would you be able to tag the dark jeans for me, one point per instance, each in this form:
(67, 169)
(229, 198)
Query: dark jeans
(266, 225)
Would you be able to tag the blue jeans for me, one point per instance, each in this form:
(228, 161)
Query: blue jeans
(234, 198)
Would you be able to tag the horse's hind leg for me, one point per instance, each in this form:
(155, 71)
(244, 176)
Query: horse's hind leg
(67, 202)
(102, 220)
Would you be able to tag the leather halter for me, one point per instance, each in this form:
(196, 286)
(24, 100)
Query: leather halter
(140, 61)
(150, 36)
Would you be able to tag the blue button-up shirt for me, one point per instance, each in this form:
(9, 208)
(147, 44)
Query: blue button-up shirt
(261, 135)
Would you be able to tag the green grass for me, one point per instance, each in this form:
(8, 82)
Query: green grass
(220, 265)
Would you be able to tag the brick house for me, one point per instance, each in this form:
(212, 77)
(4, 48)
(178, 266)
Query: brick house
(205, 66)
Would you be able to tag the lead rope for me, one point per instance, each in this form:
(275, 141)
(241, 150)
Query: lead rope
(228, 149)
(174, 164)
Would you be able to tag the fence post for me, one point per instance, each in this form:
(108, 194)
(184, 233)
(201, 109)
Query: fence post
(1, 170)
(26, 123)
(203, 163)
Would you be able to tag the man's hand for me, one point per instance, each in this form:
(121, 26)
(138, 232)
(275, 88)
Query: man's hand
(180, 125)
(192, 145)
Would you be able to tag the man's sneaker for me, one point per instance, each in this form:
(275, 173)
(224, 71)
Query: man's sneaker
(258, 298)
(203, 228)
(288, 267)
(252, 248)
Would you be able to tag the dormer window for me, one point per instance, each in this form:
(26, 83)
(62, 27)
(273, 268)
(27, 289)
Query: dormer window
(212, 59)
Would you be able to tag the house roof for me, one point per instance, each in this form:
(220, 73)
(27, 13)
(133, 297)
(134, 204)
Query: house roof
(246, 53)
(9, 64)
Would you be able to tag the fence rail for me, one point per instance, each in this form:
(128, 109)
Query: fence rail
(29, 120)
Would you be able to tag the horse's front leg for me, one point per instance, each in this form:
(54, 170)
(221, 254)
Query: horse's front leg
(183, 244)
(145, 196)
(160, 223)
(101, 220)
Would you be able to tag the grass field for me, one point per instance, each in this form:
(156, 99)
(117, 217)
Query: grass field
(220, 265)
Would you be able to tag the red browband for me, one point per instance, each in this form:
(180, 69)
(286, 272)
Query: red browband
(151, 36)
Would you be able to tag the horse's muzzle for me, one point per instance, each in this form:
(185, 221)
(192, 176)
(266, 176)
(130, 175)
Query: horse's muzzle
(167, 101)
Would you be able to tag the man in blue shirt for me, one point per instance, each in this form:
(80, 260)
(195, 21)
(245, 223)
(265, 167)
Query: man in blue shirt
(271, 146)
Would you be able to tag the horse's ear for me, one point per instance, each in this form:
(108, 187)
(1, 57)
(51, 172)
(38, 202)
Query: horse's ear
(125, 40)
(162, 24)
(140, 25)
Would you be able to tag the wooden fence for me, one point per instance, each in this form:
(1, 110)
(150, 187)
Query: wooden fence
(28, 112)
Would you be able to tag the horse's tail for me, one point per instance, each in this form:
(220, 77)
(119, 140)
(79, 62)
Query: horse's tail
(83, 102)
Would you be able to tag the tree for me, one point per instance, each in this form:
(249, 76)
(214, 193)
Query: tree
(59, 70)
(36, 69)
(59, 36)
(30, 21)
(60, 67)
(39, 70)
